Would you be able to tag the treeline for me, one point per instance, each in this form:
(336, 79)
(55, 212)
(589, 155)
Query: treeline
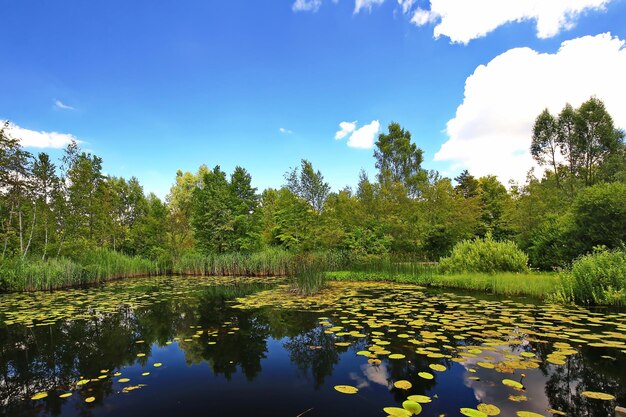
(64, 209)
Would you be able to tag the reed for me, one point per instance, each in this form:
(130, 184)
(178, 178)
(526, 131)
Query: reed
(34, 274)
(270, 262)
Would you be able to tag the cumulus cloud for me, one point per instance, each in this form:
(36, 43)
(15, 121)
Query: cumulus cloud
(60, 105)
(39, 139)
(345, 129)
(285, 131)
(462, 21)
(366, 4)
(306, 5)
(362, 137)
(492, 129)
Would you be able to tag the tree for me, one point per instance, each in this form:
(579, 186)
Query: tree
(15, 174)
(467, 185)
(212, 217)
(494, 200)
(578, 143)
(45, 184)
(308, 184)
(399, 160)
(597, 137)
(545, 147)
(245, 203)
(180, 207)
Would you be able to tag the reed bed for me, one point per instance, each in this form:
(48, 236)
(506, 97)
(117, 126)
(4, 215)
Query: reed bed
(92, 267)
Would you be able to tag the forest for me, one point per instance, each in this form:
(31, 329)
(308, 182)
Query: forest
(68, 212)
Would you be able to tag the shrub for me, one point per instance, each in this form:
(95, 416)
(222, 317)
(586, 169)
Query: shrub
(485, 255)
(597, 278)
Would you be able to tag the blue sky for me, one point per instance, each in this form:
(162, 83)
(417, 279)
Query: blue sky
(153, 87)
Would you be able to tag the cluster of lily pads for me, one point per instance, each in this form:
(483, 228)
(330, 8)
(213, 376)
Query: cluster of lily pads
(498, 337)
(47, 308)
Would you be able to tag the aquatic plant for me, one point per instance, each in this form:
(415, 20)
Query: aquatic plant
(32, 274)
(598, 278)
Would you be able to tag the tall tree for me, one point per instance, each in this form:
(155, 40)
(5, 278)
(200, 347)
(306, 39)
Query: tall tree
(597, 137)
(545, 147)
(308, 184)
(399, 160)
(45, 184)
(466, 185)
(212, 216)
(15, 174)
(244, 205)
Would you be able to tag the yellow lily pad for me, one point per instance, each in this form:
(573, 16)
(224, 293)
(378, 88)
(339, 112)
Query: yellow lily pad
(39, 396)
(597, 395)
(402, 384)
(346, 389)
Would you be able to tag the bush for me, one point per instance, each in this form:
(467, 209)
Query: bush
(486, 255)
(598, 278)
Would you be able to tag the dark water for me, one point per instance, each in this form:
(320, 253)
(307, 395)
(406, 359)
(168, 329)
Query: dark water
(219, 359)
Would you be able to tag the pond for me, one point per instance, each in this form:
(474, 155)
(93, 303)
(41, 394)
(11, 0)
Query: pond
(248, 347)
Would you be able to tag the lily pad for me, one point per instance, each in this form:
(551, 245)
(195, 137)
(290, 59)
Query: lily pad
(346, 389)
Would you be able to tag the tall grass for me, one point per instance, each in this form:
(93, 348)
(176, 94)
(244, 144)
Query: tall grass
(33, 274)
(308, 274)
(597, 279)
(270, 262)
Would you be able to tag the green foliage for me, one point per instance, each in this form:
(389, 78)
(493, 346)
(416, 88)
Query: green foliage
(599, 216)
(485, 255)
(399, 160)
(598, 278)
(308, 184)
(584, 138)
(223, 212)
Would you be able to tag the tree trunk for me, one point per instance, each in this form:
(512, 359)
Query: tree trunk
(21, 230)
(32, 229)
(6, 239)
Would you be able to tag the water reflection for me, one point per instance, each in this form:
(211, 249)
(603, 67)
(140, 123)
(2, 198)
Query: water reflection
(215, 353)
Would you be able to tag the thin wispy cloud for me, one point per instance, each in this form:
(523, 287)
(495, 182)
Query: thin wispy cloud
(306, 5)
(60, 105)
(285, 131)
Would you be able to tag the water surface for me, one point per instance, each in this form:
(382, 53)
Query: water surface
(237, 347)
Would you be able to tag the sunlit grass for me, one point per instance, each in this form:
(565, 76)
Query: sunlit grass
(535, 284)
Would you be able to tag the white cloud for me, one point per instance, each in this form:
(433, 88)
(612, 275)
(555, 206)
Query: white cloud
(345, 129)
(492, 129)
(406, 5)
(306, 5)
(60, 105)
(366, 4)
(364, 136)
(285, 131)
(34, 139)
(462, 21)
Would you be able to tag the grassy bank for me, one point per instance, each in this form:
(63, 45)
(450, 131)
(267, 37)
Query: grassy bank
(34, 274)
(535, 284)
